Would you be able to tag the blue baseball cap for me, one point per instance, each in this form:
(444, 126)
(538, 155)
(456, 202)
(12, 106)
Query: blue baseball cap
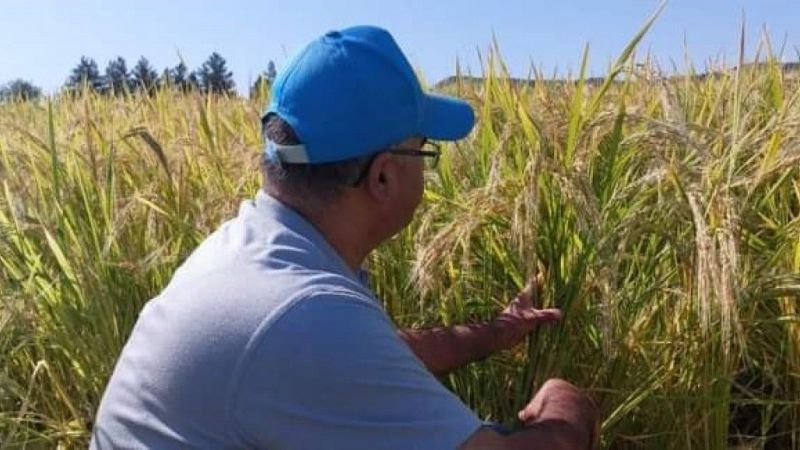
(353, 93)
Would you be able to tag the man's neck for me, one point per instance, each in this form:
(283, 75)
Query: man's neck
(347, 239)
(340, 226)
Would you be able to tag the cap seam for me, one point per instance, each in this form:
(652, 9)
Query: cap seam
(279, 98)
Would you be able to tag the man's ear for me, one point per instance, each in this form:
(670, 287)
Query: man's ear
(382, 177)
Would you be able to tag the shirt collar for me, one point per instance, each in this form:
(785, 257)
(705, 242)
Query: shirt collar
(274, 209)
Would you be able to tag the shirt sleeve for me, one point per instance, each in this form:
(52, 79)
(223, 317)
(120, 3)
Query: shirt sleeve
(332, 373)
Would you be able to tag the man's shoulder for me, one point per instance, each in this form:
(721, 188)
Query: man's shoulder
(244, 298)
(317, 339)
(264, 254)
(329, 304)
(322, 320)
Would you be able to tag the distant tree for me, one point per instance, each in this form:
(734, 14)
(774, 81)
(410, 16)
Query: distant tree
(118, 79)
(166, 78)
(261, 86)
(86, 72)
(264, 81)
(215, 77)
(145, 78)
(180, 75)
(19, 89)
(193, 81)
(271, 72)
(177, 77)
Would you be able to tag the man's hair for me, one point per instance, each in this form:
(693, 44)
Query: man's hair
(314, 182)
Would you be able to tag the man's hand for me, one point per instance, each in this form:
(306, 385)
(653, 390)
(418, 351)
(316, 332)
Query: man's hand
(559, 417)
(521, 317)
(559, 401)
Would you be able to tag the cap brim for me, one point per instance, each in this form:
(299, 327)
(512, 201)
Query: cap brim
(446, 118)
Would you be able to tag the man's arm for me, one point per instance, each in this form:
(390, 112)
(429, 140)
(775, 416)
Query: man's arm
(444, 349)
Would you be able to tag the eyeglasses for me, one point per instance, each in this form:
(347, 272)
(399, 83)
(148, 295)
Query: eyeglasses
(430, 151)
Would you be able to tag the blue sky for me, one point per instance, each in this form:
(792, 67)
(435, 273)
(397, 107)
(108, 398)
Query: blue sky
(42, 40)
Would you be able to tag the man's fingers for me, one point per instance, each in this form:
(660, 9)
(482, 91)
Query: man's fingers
(526, 414)
(531, 294)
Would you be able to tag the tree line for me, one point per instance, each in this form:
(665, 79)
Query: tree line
(212, 76)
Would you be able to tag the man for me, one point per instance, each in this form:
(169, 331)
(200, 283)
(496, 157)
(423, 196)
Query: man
(267, 336)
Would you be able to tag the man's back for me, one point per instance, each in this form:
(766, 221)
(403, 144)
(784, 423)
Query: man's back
(264, 338)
